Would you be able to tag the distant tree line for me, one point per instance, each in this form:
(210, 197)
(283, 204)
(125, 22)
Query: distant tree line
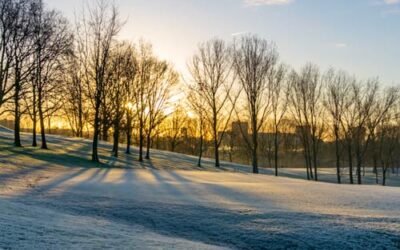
(101, 85)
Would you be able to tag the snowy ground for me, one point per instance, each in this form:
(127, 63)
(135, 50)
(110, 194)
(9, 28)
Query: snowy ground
(59, 200)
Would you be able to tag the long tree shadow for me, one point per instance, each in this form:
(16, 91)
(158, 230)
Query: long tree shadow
(235, 228)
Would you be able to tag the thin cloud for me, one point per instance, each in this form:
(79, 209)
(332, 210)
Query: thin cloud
(340, 45)
(268, 2)
(240, 33)
(391, 1)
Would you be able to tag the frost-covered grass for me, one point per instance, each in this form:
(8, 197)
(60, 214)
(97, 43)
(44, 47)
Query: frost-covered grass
(57, 199)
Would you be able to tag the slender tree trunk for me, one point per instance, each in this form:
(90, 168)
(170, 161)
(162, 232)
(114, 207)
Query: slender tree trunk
(128, 142)
(307, 166)
(359, 162)
(17, 115)
(276, 146)
(141, 139)
(359, 179)
(308, 158)
(200, 151)
(80, 118)
(350, 155)
(128, 133)
(314, 156)
(34, 118)
(34, 137)
(41, 121)
(95, 156)
(116, 139)
(337, 149)
(216, 146)
(148, 144)
(42, 128)
(384, 169)
(375, 166)
(255, 144)
(216, 154)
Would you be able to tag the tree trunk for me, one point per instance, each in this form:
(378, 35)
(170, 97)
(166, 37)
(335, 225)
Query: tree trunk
(314, 155)
(128, 142)
(359, 162)
(200, 151)
(148, 144)
(276, 146)
(80, 118)
(350, 155)
(216, 146)
(41, 121)
(337, 156)
(95, 156)
(216, 153)
(116, 139)
(17, 137)
(384, 176)
(128, 133)
(254, 159)
(34, 118)
(34, 139)
(141, 140)
(308, 169)
(375, 167)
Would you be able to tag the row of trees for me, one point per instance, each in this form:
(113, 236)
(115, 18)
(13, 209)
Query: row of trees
(246, 77)
(101, 84)
(33, 43)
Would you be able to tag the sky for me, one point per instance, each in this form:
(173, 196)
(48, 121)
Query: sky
(359, 36)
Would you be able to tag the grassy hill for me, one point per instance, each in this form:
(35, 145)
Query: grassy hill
(58, 199)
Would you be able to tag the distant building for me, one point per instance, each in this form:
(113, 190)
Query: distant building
(239, 128)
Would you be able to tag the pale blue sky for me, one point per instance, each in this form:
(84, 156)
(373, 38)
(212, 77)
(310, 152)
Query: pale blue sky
(360, 36)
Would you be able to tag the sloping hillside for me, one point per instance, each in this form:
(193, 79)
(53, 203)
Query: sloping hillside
(57, 199)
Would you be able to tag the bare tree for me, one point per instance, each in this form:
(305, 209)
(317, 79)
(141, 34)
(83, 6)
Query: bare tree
(338, 86)
(161, 81)
(122, 70)
(6, 57)
(95, 40)
(307, 111)
(211, 71)
(176, 123)
(75, 106)
(145, 61)
(130, 89)
(279, 103)
(383, 118)
(362, 100)
(194, 99)
(255, 62)
(53, 42)
(130, 69)
(21, 50)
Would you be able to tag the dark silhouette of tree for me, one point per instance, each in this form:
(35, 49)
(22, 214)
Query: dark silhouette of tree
(97, 30)
(211, 70)
(255, 62)
(52, 43)
(161, 81)
(338, 87)
(21, 50)
(307, 111)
